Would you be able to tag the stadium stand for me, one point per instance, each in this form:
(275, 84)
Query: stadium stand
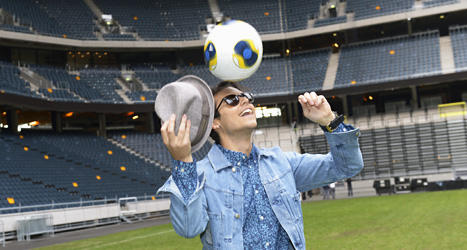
(376, 61)
(265, 15)
(406, 150)
(389, 59)
(459, 44)
(373, 8)
(159, 20)
(61, 80)
(168, 20)
(151, 146)
(36, 15)
(142, 96)
(72, 166)
(299, 12)
(59, 95)
(436, 3)
(14, 28)
(119, 37)
(331, 20)
(309, 70)
(74, 16)
(11, 82)
(103, 82)
(201, 71)
(271, 78)
(155, 76)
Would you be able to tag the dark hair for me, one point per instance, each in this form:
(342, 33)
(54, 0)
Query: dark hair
(216, 89)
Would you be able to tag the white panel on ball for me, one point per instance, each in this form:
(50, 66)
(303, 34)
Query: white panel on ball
(233, 50)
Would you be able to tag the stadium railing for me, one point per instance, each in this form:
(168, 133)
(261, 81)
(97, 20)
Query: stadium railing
(3, 233)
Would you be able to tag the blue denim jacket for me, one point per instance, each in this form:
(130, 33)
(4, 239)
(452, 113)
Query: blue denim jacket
(215, 210)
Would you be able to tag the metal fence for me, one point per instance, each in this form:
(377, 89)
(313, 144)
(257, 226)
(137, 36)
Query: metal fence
(33, 225)
(53, 205)
(3, 233)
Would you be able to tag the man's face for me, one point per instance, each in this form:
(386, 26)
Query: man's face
(235, 119)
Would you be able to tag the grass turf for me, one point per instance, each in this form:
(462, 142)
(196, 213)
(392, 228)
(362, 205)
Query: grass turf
(432, 220)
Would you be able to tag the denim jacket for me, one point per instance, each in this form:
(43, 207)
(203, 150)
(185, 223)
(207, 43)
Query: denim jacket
(215, 210)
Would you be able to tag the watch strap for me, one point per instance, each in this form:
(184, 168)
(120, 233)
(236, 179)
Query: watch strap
(334, 123)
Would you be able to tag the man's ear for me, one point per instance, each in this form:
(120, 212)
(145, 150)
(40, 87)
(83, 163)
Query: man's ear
(216, 124)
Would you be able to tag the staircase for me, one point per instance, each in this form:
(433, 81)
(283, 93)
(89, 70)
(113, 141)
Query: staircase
(133, 152)
(331, 72)
(446, 55)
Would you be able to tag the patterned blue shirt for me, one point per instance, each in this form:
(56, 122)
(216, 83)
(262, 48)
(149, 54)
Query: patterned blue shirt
(261, 229)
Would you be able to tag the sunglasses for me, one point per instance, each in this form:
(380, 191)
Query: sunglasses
(234, 100)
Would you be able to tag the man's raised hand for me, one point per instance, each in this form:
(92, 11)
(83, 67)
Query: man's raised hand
(179, 145)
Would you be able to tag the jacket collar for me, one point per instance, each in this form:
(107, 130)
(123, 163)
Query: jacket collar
(219, 161)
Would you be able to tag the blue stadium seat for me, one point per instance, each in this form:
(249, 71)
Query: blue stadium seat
(41, 167)
(459, 46)
(159, 20)
(391, 59)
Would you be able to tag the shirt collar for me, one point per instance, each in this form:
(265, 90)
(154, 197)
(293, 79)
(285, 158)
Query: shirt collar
(235, 157)
(219, 160)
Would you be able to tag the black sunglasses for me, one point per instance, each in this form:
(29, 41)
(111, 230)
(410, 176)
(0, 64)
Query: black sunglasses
(234, 100)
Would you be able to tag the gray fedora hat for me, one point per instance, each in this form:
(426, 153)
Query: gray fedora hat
(192, 96)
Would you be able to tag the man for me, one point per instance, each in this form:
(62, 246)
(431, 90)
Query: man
(243, 197)
(332, 189)
(349, 187)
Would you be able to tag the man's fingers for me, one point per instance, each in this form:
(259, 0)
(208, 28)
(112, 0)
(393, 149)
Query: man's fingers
(187, 133)
(165, 137)
(181, 129)
(308, 98)
(171, 128)
(302, 99)
(314, 99)
(321, 100)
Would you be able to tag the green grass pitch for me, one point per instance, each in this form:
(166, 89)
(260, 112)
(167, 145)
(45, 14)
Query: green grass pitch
(431, 220)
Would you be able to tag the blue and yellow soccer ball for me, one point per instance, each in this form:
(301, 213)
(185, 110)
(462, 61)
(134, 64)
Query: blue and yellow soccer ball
(233, 50)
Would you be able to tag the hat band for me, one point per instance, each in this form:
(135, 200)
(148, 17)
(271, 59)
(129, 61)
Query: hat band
(204, 115)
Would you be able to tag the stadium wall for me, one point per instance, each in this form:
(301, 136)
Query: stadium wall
(78, 215)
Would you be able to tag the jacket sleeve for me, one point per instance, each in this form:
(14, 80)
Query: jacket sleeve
(316, 170)
(188, 211)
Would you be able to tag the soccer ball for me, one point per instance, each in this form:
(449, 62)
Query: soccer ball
(233, 50)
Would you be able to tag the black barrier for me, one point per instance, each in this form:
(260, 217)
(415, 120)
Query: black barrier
(419, 185)
(382, 186)
(401, 180)
(447, 185)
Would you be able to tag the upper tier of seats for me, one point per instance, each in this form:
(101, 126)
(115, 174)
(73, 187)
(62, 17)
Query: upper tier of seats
(373, 8)
(264, 15)
(459, 46)
(377, 61)
(299, 12)
(42, 167)
(183, 20)
(159, 20)
(67, 19)
(389, 59)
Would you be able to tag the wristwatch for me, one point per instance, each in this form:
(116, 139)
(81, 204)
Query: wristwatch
(334, 123)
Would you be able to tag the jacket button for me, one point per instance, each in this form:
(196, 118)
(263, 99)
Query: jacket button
(233, 170)
(237, 216)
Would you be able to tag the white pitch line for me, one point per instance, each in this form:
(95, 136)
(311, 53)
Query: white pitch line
(134, 238)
